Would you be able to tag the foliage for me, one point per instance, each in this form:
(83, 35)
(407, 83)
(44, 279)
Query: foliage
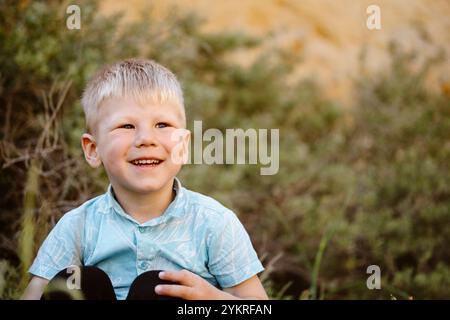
(356, 187)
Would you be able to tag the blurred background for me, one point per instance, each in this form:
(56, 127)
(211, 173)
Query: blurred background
(364, 119)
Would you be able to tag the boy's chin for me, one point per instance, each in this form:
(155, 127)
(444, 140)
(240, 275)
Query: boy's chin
(149, 187)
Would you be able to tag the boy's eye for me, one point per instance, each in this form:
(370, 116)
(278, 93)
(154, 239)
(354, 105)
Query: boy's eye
(162, 125)
(127, 126)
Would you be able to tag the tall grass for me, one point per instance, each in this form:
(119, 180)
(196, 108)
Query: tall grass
(27, 234)
(317, 262)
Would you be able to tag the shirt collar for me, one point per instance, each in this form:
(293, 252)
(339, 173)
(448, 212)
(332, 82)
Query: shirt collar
(175, 209)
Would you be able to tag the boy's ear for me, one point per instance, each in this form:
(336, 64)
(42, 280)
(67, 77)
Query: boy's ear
(90, 150)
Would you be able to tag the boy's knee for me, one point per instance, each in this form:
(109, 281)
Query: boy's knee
(80, 282)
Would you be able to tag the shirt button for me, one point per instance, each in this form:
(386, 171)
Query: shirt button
(141, 229)
(143, 265)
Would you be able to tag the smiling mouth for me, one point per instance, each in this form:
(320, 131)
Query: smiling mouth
(147, 162)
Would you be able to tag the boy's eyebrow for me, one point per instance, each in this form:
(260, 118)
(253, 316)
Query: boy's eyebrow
(119, 117)
(164, 115)
(179, 114)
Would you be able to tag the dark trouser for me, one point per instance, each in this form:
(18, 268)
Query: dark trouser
(94, 284)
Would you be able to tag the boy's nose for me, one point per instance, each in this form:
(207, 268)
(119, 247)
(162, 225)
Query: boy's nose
(145, 138)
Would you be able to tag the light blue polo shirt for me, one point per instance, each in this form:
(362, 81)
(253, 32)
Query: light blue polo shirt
(195, 233)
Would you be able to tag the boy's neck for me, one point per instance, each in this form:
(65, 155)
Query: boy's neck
(145, 207)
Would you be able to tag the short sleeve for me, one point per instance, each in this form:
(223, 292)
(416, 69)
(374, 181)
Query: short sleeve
(231, 256)
(61, 248)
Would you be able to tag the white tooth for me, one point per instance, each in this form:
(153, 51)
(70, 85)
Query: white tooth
(149, 161)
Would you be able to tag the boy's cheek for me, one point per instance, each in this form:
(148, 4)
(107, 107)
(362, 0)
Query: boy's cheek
(171, 145)
(171, 140)
(179, 155)
(179, 136)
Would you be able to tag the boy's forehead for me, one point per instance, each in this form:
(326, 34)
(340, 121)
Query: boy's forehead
(111, 107)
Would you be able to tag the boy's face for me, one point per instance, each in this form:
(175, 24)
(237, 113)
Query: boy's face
(127, 132)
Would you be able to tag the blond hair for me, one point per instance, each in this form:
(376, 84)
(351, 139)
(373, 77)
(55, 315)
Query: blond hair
(143, 80)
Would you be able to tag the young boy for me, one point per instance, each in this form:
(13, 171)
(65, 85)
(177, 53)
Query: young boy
(147, 220)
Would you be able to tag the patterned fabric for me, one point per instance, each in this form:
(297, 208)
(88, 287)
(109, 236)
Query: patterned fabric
(195, 233)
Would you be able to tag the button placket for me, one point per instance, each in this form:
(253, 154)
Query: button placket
(142, 245)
